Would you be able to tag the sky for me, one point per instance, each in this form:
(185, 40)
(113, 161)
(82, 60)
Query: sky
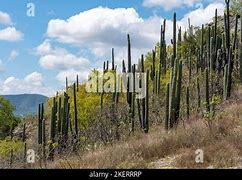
(43, 41)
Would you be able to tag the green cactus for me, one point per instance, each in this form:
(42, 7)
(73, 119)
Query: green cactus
(59, 115)
(75, 110)
(113, 64)
(188, 101)
(129, 94)
(178, 92)
(174, 40)
(43, 140)
(198, 94)
(225, 82)
(52, 130)
(167, 106)
(77, 83)
(40, 119)
(146, 130)
(227, 24)
(206, 78)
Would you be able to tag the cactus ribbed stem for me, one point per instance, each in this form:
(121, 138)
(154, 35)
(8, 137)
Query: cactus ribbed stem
(167, 106)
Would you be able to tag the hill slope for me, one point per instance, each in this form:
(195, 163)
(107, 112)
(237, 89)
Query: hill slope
(26, 103)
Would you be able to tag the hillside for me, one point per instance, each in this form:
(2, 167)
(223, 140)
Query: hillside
(26, 103)
(191, 103)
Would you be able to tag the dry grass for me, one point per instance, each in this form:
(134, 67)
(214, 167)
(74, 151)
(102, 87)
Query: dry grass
(221, 143)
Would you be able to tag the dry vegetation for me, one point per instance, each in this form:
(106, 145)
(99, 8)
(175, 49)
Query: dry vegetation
(221, 143)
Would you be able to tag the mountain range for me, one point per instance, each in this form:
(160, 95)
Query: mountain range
(25, 103)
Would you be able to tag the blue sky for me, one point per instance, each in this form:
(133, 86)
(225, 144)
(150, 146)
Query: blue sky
(65, 38)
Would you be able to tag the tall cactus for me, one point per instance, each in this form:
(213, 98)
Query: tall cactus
(174, 39)
(188, 101)
(225, 82)
(167, 106)
(77, 83)
(228, 24)
(143, 100)
(178, 92)
(43, 140)
(202, 63)
(198, 94)
(52, 129)
(40, 119)
(59, 115)
(147, 103)
(75, 110)
(113, 64)
(129, 94)
(206, 78)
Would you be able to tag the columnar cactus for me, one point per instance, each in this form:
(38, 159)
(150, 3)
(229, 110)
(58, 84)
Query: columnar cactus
(147, 103)
(188, 101)
(43, 139)
(167, 106)
(129, 94)
(113, 64)
(75, 110)
(59, 115)
(178, 92)
(52, 129)
(77, 83)
(198, 94)
(40, 119)
(174, 39)
(206, 78)
(143, 100)
(227, 24)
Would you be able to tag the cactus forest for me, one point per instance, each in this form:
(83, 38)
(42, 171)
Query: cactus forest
(192, 86)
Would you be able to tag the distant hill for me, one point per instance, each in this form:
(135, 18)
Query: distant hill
(26, 103)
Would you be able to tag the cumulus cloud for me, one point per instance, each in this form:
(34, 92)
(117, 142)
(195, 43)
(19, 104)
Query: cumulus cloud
(5, 18)
(59, 58)
(108, 29)
(71, 75)
(168, 5)
(32, 83)
(203, 15)
(65, 63)
(10, 34)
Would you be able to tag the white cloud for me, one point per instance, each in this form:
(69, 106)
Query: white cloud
(5, 18)
(13, 55)
(34, 78)
(168, 5)
(32, 83)
(10, 34)
(71, 75)
(203, 15)
(100, 29)
(58, 58)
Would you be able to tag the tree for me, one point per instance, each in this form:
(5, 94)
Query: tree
(7, 118)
